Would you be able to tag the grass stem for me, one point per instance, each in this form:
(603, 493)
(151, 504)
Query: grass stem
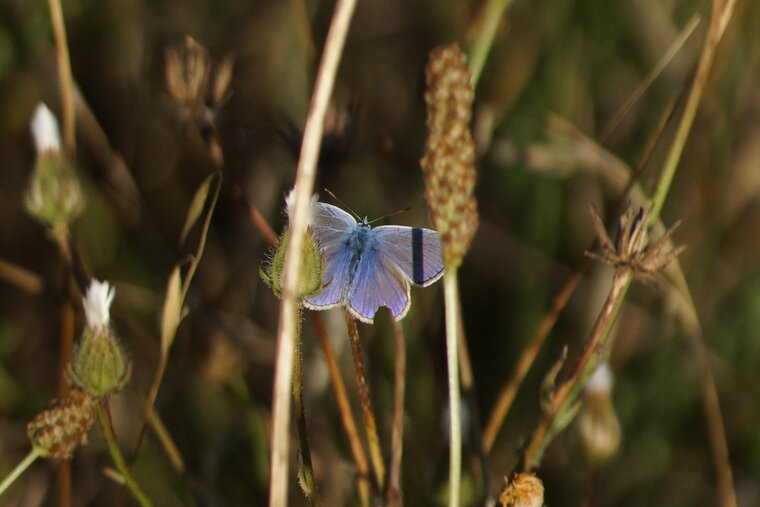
(20, 469)
(451, 298)
(304, 185)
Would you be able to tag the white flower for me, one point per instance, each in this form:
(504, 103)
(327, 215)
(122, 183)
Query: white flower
(601, 380)
(44, 126)
(97, 304)
(290, 205)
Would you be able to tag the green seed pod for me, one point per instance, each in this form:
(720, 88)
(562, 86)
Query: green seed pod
(312, 267)
(54, 196)
(99, 364)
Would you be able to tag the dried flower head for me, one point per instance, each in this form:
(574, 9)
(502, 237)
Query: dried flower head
(99, 365)
(448, 165)
(195, 82)
(524, 490)
(598, 425)
(631, 249)
(63, 426)
(54, 196)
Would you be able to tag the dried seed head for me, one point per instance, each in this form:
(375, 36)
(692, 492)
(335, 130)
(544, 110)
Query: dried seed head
(99, 365)
(63, 426)
(598, 424)
(195, 82)
(524, 490)
(448, 165)
(631, 249)
(54, 196)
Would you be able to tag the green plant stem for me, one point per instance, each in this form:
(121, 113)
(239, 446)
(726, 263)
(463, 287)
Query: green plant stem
(118, 459)
(567, 393)
(307, 470)
(719, 17)
(304, 185)
(375, 451)
(451, 298)
(492, 15)
(20, 468)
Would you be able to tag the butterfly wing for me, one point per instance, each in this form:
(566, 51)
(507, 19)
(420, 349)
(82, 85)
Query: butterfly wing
(378, 282)
(416, 251)
(331, 227)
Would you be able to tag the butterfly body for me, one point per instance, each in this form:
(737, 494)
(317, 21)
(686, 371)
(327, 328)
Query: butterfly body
(366, 268)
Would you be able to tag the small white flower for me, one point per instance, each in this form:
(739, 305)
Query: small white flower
(97, 304)
(601, 380)
(44, 126)
(290, 204)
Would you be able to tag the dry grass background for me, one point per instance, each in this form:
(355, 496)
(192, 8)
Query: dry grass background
(557, 74)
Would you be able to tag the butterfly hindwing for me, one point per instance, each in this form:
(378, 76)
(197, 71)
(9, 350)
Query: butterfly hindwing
(378, 282)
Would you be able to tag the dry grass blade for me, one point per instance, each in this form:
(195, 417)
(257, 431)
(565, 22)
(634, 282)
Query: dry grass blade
(196, 208)
(172, 312)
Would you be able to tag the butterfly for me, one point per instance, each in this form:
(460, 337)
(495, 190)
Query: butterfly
(366, 268)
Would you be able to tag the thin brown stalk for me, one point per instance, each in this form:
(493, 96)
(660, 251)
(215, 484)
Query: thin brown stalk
(393, 493)
(69, 253)
(720, 15)
(564, 395)
(64, 76)
(66, 345)
(509, 391)
(344, 406)
(304, 186)
(375, 452)
(710, 399)
(256, 218)
(663, 62)
(22, 278)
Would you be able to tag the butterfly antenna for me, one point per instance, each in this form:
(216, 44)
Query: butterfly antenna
(393, 214)
(344, 205)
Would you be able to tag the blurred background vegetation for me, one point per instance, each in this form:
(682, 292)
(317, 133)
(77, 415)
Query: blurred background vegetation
(558, 72)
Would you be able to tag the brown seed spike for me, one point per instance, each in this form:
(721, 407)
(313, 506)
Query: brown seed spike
(448, 165)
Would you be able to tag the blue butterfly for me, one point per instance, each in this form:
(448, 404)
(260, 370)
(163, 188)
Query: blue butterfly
(367, 268)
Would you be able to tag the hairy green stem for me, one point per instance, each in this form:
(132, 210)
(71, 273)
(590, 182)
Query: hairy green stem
(308, 484)
(118, 458)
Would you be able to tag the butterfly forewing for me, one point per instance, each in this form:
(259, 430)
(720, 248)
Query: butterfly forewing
(416, 251)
